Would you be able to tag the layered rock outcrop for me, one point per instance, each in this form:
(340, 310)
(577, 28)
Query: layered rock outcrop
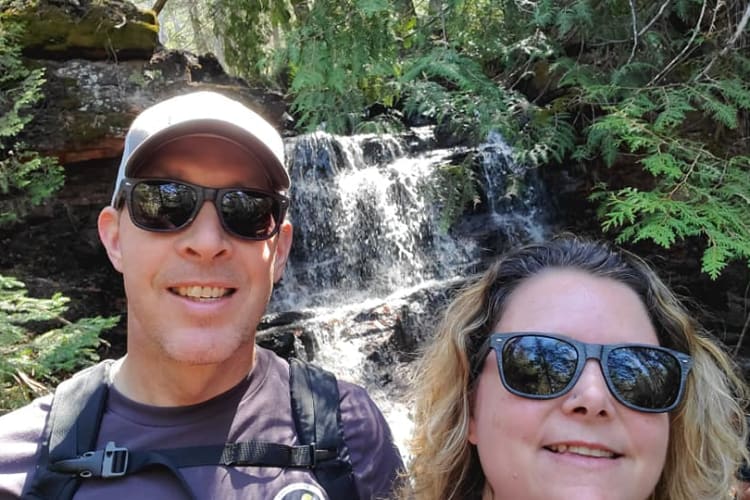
(103, 65)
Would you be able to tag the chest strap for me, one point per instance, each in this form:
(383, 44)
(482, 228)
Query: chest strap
(114, 461)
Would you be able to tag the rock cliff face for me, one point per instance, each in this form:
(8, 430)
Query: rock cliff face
(66, 29)
(103, 65)
(90, 104)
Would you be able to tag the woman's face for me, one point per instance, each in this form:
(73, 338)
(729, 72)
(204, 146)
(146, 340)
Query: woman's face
(584, 444)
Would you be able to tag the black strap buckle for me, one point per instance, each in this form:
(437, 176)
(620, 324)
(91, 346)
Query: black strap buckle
(109, 462)
(318, 455)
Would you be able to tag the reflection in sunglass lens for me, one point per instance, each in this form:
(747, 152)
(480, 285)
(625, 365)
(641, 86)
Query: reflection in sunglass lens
(538, 365)
(644, 377)
(162, 205)
(249, 214)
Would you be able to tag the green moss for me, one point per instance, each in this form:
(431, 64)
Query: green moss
(103, 27)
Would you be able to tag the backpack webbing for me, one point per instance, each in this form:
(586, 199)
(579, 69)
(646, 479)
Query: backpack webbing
(68, 456)
(317, 417)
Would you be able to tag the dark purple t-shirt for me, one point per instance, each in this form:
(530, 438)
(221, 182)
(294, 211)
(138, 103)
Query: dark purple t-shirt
(258, 408)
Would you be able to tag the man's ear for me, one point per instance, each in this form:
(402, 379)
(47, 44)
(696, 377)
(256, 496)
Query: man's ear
(109, 233)
(283, 247)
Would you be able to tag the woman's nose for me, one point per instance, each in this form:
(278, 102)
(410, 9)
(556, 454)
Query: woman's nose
(590, 397)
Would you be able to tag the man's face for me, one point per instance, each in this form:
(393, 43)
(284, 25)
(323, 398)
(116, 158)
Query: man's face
(195, 296)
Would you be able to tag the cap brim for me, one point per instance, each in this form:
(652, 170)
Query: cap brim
(276, 171)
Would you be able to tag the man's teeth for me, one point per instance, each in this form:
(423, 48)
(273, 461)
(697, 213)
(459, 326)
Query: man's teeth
(582, 450)
(202, 292)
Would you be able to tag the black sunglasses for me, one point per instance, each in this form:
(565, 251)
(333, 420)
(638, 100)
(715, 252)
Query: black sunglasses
(643, 377)
(165, 205)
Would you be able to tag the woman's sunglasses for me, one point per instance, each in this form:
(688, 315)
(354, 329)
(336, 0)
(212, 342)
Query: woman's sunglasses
(643, 377)
(165, 205)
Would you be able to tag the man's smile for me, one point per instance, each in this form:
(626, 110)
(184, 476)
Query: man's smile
(202, 292)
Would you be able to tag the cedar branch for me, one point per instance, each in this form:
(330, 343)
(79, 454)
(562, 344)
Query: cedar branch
(724, 51)
(684, 50)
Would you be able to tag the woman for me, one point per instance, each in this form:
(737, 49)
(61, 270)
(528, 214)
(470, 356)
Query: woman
(569, 370)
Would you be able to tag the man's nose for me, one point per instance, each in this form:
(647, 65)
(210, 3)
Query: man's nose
(205, 238)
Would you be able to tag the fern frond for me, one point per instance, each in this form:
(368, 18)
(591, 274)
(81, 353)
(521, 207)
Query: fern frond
(664, 164)
(635, 74)
(675, 105)
(736, 92)
(721, 112)
(714, 260)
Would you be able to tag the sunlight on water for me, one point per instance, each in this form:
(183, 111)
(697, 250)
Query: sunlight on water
(343, 354)
(365, 220)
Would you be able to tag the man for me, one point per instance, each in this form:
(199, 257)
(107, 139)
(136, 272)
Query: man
(197, 229)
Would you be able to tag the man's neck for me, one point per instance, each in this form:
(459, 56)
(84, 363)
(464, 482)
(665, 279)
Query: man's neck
(171, 383)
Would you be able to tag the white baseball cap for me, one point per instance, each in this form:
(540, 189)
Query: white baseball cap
(202, 113)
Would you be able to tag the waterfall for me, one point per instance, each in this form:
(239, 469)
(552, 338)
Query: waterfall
(366, 222)
(514, 194)
(368, 233)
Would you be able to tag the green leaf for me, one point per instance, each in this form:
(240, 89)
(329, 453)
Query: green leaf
(722, 112)
(714, 260)
(47, 355)
(663, 164)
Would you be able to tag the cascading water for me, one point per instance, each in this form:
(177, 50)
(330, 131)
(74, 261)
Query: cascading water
(364, 222)
(367, 232)
(515, 201)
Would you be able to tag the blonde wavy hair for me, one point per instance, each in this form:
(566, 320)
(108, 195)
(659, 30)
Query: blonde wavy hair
(707, 431)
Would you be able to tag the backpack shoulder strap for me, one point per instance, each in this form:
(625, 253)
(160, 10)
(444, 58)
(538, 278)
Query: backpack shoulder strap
(317, 417)
(72, 428)
(78, 405)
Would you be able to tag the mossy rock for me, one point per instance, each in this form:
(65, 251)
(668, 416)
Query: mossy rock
(89, 29)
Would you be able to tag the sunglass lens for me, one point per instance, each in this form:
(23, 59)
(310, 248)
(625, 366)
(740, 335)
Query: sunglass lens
(538, 366)
(644, 377)
(162, 205)
(249, 214)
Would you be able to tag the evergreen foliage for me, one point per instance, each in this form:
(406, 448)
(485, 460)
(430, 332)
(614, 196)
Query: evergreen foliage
(656, 91)
(621, 83)
(454, 190)
(26, 178)
(338, 68)
(29, 363)
(658, 106)
(656, 85)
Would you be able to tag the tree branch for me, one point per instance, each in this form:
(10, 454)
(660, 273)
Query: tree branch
(684, 50)
(653, 20)
(738, 32)
(712, 25)
(684, 179)
(724, 51)
(634, 19)
(642, 31)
